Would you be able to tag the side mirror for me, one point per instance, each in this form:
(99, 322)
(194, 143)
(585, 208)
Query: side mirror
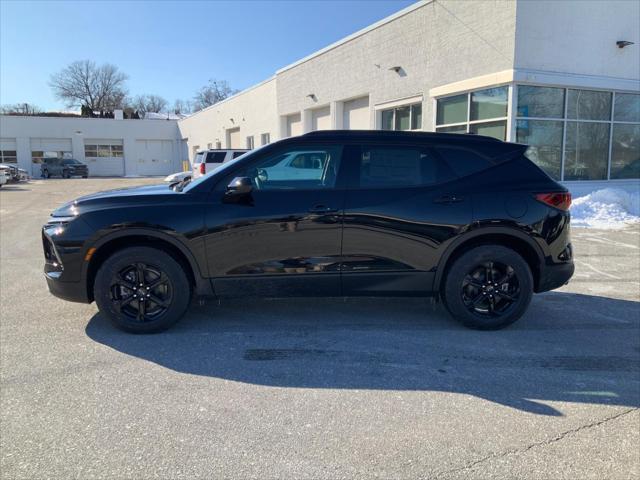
(240, 186)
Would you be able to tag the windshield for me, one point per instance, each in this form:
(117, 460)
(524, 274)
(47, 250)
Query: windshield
(219, 168)
(198, 158)
(71, 161)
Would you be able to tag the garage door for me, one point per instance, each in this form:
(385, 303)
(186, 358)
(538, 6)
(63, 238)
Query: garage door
(356, 114)
(154, 157)
(105, 158)
(49, 148)
(233, 138)
(321, 119)
(294, 125)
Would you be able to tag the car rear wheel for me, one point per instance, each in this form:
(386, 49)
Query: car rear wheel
(488, 287)
(45, 173)
(142, 290)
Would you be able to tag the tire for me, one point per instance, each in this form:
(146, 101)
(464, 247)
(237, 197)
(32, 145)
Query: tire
(118, 281)
(84, 176)
(46, 174)
(474, 290)
(65, 175)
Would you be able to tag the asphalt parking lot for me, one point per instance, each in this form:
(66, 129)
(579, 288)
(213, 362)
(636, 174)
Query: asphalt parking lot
(312, 388)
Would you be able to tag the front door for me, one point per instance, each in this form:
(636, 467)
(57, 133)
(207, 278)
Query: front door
(284, 237)
(401, 208)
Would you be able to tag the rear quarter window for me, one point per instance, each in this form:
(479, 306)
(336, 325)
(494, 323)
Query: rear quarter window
(216, 157)
(463, 161)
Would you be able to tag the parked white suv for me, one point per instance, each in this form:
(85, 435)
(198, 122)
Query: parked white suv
(207, 160)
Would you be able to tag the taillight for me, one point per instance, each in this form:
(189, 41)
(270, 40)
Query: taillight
(559, 200)
(202, 168)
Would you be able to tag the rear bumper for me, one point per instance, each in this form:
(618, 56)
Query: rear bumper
(70, 291)
(555, 276)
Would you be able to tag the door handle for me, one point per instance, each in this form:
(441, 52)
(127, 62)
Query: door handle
(448, 199)
(322, 209)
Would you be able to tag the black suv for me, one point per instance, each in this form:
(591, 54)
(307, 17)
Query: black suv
(63, 167)
(465, 218)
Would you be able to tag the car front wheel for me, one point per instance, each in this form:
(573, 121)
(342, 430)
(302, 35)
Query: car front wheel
(488, 287)
(142, 290)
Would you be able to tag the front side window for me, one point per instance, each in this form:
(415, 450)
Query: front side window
(295, 169)
(400, 167)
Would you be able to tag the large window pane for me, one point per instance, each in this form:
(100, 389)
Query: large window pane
(416, 116)
(402, 118)
(627, 107)
(586, 151)
(490, 103)
(545, 102)
(456, 129)
(589, 105)
(490, 129)
(387, 119)
(625, 151)
(545, 143)
(452, 110)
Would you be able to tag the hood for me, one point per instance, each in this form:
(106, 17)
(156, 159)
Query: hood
(152, 194)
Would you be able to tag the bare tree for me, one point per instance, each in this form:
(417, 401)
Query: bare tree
(150, 103)
(85, 84)
(181, 106)
(20, 109)
(214, 92)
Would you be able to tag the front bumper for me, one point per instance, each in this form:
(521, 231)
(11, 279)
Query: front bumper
(70, 291)
(555, 276)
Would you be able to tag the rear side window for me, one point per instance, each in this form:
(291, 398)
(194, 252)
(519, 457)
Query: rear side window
(237, 154)
(216, 157)
(401, 167)
(463, 161)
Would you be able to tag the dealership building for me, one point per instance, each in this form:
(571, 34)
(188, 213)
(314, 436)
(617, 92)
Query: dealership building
(563, 77)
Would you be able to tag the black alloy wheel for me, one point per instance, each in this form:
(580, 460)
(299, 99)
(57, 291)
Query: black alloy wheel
(490, 289)
(141, 292)
(487, 287)
(142, 289)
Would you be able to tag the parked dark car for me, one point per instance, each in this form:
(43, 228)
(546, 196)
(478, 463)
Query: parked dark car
(467, 219)
(63, 167)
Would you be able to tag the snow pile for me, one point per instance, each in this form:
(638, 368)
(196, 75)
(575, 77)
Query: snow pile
(609, 208)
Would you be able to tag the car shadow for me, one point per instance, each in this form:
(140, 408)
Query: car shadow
(568, 347)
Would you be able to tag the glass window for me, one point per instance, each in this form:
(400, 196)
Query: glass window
(299, 169)
(250, 142)
(627, 107)
(588, 105)
(456, 129)
(198, 158)
(544, 102)
(216, 157)
(238, 154)
(452, 110)
(462, 161)
(8, 156)
(490, 129)
(416, 116)
(586, 151)
(265, 139)
(387, 120)
(403, 118)
(490, 103)
(400, 166)
(545, 143)
(625, 151)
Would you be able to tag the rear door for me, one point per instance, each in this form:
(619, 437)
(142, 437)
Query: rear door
(402, 207)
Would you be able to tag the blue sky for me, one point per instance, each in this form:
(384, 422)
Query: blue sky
(169, 48)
